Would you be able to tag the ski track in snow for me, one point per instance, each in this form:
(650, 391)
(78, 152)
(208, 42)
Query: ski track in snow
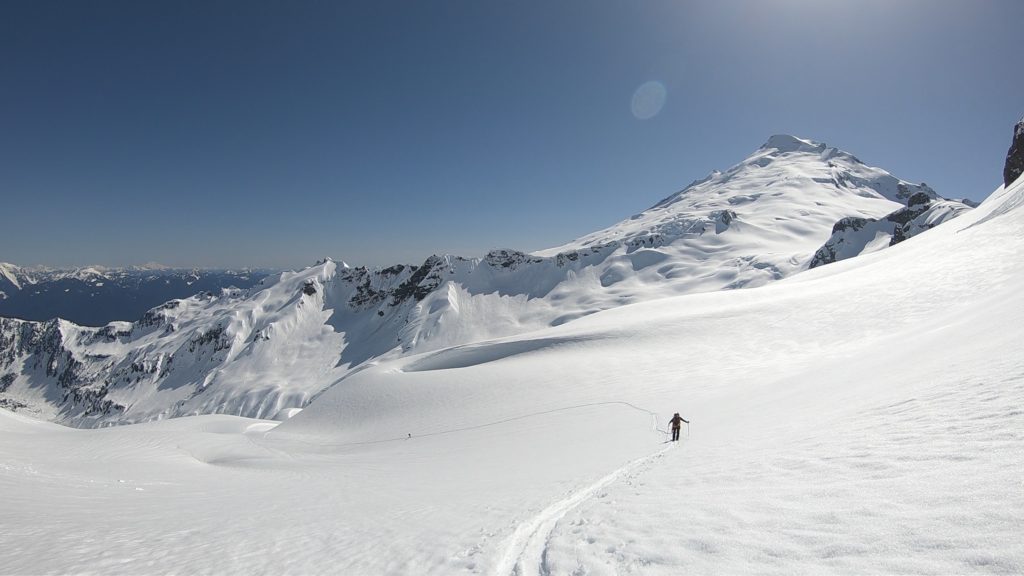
(526, 550)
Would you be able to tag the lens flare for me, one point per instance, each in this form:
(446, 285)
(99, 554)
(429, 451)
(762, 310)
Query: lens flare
(648, 100)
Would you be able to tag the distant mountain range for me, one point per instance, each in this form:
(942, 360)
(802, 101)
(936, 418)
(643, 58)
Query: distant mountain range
(275, 346)
(95, 296)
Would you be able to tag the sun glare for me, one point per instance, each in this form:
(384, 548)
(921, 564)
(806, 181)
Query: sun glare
(648, 100)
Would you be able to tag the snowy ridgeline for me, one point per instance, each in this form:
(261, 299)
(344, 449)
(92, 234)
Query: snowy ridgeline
(276, 346)
(861, 417)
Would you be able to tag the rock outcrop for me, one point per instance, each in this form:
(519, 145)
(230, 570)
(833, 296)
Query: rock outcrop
(854, 236)
(1015, 156)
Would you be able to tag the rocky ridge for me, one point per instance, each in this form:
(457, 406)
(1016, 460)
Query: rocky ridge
(855, 236)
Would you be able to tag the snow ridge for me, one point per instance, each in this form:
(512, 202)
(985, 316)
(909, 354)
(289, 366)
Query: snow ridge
(785, 143)
(12, 274)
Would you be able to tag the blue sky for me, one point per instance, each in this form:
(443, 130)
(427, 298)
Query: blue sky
(253, 133)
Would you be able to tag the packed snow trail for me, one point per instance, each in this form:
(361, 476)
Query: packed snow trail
(654, 417)
(524, 554)
(525, 551)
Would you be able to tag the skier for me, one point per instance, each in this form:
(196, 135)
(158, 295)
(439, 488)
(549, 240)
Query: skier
(676, 423)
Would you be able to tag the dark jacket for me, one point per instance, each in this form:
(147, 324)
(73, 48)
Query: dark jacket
(675, 421)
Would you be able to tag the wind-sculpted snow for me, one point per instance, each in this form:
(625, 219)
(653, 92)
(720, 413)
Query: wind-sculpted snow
(1005, 200)
(274, 347)
(476, 354)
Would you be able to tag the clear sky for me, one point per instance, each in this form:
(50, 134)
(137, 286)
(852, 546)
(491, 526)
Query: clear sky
(255, 133)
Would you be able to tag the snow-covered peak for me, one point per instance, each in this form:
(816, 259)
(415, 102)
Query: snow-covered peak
(89, 273)
(340, 264)
(788, 189)
(21, 276)
(787, 143)
(150, 266)
(11, 273)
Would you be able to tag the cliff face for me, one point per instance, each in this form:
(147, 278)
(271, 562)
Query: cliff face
(1015, 156)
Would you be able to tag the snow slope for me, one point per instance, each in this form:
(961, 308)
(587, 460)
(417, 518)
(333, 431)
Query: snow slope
(862, 417)
(854, 236)
(197, 351)
(766, 212)
(272, 348)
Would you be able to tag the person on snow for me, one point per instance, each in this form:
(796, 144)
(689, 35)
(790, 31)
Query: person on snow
(676, 423)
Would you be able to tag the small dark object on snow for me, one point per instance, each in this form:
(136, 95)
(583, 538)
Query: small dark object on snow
(676, 423)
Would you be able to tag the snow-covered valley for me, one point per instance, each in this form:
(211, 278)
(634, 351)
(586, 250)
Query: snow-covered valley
(859, 417)
(274, 347)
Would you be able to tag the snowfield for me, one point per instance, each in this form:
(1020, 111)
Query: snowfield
(861, 417)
